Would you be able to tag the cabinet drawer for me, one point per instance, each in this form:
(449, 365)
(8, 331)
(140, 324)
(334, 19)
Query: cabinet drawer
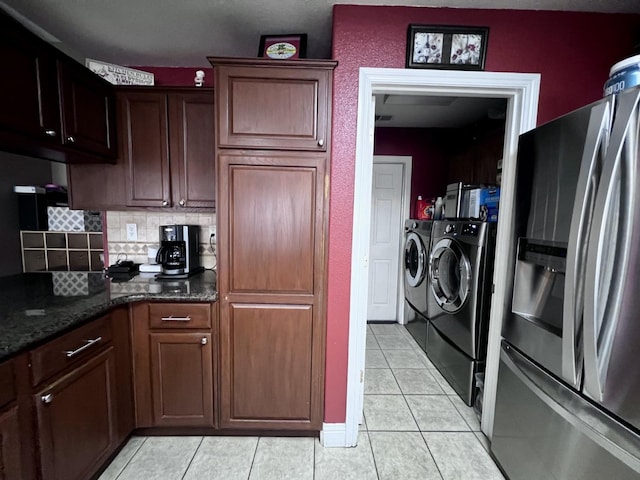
(58, 354)
(7, 387)
(179, 315)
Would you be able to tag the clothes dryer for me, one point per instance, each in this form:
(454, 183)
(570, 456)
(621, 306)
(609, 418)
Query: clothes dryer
(460, 279)
(416, 263)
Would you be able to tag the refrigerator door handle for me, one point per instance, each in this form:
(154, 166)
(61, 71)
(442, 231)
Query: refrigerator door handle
(603, 281)
(617, 443)
(594, 151)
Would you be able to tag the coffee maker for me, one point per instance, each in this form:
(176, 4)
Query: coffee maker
(178, 253)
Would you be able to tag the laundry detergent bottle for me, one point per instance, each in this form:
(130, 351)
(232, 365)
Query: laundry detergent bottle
(422, 209)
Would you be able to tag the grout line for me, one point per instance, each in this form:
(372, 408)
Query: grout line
(254, 458)
(432, 457)
(144, 440)
(192, 457)
(373, 455)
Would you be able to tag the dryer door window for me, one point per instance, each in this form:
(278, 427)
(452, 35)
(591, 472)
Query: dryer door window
(415, 261)
(450, 275)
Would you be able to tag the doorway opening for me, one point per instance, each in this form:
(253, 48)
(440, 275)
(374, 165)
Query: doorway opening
(521, 94)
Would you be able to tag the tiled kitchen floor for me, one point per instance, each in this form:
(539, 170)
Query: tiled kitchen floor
(415, 427)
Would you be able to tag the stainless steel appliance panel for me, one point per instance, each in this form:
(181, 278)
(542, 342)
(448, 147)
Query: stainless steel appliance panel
(612, 295)
(545, 430)
(558, 173)
(416, 324)
(549, 160)
(416, 265)
(461, 274)
(585, 422)
(458, 368)
(535, 325)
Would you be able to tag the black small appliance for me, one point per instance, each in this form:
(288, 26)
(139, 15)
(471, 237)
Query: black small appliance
(178, 253)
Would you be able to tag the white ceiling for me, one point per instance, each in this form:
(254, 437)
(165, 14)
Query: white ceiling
(436, 111)
(185, 32)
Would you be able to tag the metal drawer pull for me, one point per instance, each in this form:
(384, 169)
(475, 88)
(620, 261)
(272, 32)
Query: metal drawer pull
(171, 318)
(203, 341)
(50, 133)
(73, 353)
(48, 398)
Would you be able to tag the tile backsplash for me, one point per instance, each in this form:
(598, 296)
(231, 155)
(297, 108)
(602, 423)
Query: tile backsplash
(148, 236)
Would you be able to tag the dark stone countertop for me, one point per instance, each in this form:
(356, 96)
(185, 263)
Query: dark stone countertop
(36, 307)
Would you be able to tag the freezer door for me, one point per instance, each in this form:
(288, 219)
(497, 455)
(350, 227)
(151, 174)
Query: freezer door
(544, 430)
(612, 282)
(559, 168)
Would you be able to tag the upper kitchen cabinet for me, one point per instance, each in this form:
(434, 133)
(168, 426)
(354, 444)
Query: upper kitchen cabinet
(87, 110)
(168, 147)
(52, 106)
(166, 159)
(273, 108)
(29, 93)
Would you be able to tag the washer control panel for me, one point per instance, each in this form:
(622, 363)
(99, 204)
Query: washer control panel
(470, 229)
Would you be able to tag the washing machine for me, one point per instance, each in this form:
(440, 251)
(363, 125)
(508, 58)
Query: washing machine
(417, 240)
(460, 282)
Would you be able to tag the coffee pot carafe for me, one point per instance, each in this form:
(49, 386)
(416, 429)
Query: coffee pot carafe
(178, 253)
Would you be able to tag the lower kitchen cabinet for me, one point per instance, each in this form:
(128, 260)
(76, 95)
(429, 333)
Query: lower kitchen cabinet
(10, 458)
(181, 378)
(271, 370)
(76, 419)
(174, 364)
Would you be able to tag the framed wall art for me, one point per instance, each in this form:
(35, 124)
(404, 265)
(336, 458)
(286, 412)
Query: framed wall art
(283, 47)
(447, 47)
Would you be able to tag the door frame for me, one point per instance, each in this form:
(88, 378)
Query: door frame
(521, 91)
(407, 165)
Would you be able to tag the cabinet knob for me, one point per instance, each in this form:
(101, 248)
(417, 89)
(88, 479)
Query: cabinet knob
(165, 203)
(48, 398)
(71, 139)
(203, 341)
(182, 202)
(321, 142)
(50, 133)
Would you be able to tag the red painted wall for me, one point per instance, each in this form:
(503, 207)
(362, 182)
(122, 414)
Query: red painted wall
(572, 51)
(428, 165)
(177, 76)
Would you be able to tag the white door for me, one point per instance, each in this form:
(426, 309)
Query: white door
(385, 241)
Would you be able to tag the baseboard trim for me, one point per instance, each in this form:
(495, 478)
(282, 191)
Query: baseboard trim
(333, 435)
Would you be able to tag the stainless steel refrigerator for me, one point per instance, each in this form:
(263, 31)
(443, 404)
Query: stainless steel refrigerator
(568, 398)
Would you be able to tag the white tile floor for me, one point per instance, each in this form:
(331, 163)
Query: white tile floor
(415, 427)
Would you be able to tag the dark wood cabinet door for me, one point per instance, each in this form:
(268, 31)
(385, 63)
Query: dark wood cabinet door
(76, 417)
(271, 263)
(10, 466)
(88, 110)
(271, 223)
(28, 94)
(274, 106)
(145, 137)
(182, 379)
(99, 186)
(271, 375)
(191, 131)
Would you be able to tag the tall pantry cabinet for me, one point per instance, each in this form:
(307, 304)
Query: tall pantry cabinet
(273, 121)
